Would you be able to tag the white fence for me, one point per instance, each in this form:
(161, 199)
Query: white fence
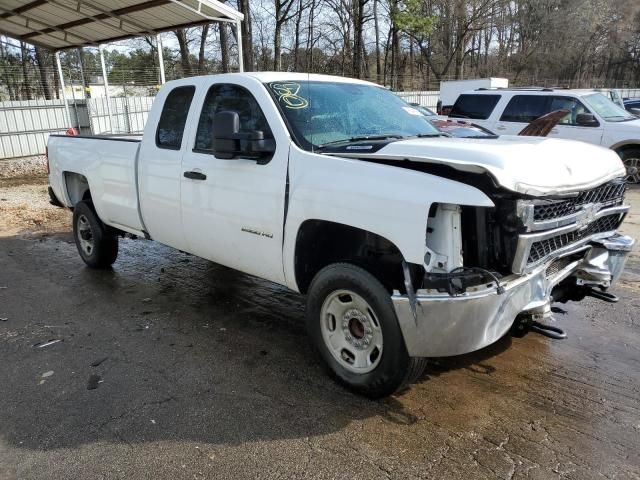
(629, 92)
(25, 126)
(424, 98)
(129, 114)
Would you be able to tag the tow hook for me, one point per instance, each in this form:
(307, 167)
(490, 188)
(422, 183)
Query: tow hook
(529, 322)
(547, 330)
(601, 295)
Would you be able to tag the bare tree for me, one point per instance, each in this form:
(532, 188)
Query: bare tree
(376, 27)
(201, 52)
(359, 20)
(44, 65)
(183, 45)
(24, 57)
(247, 34)
(283, 14)
(224, 46)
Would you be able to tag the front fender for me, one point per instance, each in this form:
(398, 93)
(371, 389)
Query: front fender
(390, 201)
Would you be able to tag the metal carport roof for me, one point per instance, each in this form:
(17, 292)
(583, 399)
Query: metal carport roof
(59, 24)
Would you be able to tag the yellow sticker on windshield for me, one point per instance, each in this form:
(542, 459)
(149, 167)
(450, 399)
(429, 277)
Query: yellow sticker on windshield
(288, 95)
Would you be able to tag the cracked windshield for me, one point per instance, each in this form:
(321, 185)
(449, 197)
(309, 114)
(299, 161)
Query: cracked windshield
(333, 113)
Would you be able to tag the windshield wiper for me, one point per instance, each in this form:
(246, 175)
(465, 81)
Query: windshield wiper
(361, 138)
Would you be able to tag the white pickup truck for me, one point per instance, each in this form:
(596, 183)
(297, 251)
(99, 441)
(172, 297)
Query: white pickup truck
(407, 243)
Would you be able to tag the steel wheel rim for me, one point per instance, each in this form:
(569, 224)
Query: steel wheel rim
(632, 164)
(85, 234)
(351, 331)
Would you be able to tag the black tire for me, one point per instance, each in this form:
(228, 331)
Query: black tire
(394, 369)
(88, 227)
(631, 160)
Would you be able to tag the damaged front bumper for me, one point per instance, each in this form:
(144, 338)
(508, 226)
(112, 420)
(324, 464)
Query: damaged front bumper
(435, 324)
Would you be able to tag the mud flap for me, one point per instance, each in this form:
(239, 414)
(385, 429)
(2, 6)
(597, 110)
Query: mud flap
(53, 200)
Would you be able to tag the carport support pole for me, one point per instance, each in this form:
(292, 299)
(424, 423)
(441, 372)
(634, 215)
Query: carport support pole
(160, 58)
(239, 37)
(64, 97)
(106, 87)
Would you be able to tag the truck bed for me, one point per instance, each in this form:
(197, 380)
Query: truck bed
(109, 165)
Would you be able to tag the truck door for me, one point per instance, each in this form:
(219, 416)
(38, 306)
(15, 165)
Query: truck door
(233, 209)
(160, 167)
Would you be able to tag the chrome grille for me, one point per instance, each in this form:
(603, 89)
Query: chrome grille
(608, 194)
(558, 265)
(542, 248)
(548, 211)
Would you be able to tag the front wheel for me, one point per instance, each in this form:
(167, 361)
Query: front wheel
(631, 160)
(96, 245)
(353, 325)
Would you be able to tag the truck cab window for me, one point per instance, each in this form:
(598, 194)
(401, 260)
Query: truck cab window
(227, 97)
(174, 117)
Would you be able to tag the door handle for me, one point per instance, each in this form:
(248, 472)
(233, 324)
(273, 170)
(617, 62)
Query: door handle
(500, 127)
(195, 175)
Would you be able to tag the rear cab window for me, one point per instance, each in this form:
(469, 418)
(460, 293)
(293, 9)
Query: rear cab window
(174, 117)
(478, 107)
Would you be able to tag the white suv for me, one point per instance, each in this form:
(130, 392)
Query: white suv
(594, 118)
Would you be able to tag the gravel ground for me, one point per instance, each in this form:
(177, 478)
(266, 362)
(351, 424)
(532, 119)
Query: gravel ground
(24, 207)
(23, 167)
(172, 367)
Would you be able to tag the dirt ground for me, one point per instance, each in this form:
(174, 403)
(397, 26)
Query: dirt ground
(24, 207)
(169, 366)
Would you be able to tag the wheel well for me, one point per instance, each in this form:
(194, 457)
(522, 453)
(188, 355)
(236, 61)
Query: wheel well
(628, 146)
(77, 187)
(320, 243)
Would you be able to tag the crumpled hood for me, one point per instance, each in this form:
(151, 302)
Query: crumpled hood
(528, 165)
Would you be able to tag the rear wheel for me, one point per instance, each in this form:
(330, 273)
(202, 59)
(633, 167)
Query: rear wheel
(353, 325)
(631, 160)
(96, 245)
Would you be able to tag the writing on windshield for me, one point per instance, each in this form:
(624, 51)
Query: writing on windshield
(329, 113)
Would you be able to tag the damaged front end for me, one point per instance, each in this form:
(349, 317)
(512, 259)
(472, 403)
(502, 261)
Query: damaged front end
(486, 268)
